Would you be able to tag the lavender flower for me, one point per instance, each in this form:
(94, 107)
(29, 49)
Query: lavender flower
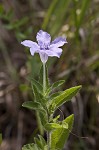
(45, 47)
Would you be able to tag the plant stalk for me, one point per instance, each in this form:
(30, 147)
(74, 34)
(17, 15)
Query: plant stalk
(44, 79)
(44, 91)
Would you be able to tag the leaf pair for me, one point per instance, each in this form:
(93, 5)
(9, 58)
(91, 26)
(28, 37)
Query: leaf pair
(62, 98)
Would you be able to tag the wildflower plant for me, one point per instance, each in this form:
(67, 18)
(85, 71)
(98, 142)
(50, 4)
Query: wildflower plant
(46, 102)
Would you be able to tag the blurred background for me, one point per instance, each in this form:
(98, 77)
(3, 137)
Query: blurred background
(78, 20)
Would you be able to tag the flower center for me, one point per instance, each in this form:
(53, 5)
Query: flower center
(44, 47)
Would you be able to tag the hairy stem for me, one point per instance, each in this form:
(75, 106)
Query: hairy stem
(44, 91)
(44, 79)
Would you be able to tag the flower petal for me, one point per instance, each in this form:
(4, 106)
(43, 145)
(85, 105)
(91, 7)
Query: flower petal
(32, 51)
(56, 49)
(52, 54)
(43, 57)
(43, 38)
(60, 41)
(34, 47)
(29, 43)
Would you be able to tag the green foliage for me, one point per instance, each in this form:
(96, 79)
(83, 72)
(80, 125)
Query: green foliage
(56, 118)
(37, 85)
(53, 126)
(42, 140)
(36, 106)
(37, 95)
(62, 98)
(56, 85)
(28, 147)
(6, 16)
(38, 91)
(85, 4)
(80, 17)
(40, 144)
(37, 142)
(38, 98)
(57, 9)
(33, 106)
(39, 106)
(0, 138)
(17, 24)
(45, 105)
(24, 88)
(52, 96)
(49, 13)
(60, 136)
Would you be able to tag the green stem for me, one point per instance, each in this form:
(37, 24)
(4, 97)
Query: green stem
(44, 91)
(44, 79)
(48, 140)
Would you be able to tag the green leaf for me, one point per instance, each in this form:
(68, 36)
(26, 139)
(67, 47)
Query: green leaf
(28, 146)
(33, 105)
(63, 97)
(42, 140)
(40, 117)
(57, 84)
(56, 118)
(38, 98)
(53, 126)
(46, 147)
(43, 117)
(39, 123)
(31, 146)
(38, 143)
(52, 96)
(37, 85)
(37, 106)
(60, 136)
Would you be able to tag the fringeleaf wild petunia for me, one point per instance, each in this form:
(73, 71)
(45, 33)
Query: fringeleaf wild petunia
(57, 131)
(45, 47)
